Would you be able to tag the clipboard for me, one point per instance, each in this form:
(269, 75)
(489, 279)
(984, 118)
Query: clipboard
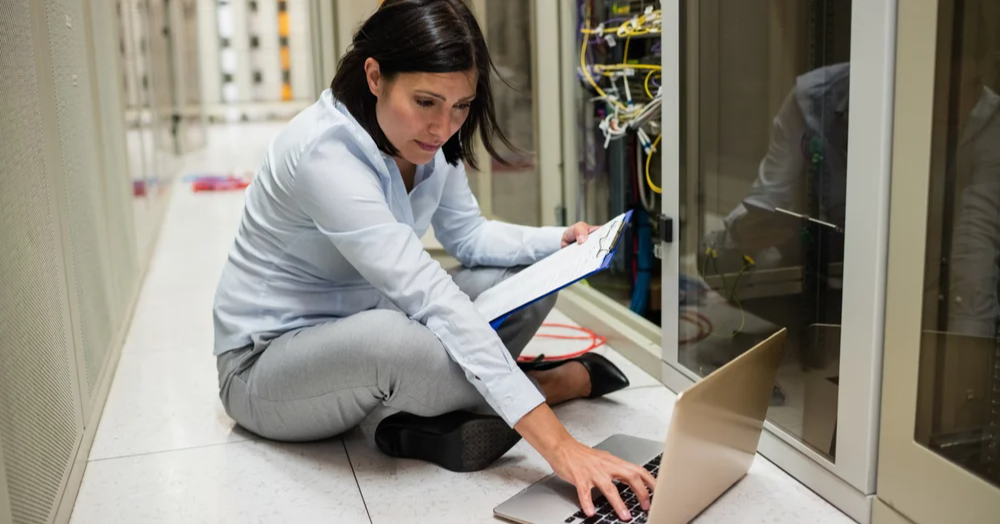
(606, 248)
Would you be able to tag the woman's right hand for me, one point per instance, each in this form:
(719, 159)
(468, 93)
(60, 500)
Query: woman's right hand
(588, 468)
(584, 467)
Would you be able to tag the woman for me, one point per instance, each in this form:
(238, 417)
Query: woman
(329, 305)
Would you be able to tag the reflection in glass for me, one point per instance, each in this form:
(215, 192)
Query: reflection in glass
(958, 406)
(763, 191)
(516, 188)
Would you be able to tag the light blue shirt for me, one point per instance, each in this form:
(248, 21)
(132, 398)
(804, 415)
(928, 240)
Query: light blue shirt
(328, 230)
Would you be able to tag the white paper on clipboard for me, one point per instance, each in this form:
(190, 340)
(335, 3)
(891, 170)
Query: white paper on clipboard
(562, 268)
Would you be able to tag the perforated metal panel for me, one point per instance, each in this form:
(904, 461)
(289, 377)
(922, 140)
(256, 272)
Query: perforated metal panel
(38, 423)
(5, 516)
(107, 72)
(81, 202)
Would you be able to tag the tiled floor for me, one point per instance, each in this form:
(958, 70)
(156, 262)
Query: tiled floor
(166, 452)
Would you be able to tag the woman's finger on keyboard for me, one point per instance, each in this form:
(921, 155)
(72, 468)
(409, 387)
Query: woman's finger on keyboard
(637, 482)
(611, 493)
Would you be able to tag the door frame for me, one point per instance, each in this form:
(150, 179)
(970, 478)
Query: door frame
(914, 481)
(870, 134)
(546, 102)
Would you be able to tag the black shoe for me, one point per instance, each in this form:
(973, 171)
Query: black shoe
(605, 377)
(459, 441)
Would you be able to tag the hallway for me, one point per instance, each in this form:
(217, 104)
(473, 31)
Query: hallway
(166, 452)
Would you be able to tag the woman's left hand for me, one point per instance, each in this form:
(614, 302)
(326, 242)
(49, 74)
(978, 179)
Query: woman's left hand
(577, 233)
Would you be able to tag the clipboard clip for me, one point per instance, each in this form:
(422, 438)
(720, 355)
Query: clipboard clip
(607, 243)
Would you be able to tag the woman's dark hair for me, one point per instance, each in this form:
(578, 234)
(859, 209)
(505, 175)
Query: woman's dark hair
(422, 36)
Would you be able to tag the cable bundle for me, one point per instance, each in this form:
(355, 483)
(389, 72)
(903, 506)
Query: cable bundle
(624, 114)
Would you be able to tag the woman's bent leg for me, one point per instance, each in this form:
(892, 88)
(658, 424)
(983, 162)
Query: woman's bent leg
(320, 381)
(521, 327)
(559, 384)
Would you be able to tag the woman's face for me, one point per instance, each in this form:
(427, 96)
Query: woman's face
(419, 112)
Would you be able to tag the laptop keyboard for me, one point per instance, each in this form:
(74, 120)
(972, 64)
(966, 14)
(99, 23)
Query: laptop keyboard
(607, 515)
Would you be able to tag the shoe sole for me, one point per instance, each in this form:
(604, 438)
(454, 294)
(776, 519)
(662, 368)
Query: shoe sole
(478, 442)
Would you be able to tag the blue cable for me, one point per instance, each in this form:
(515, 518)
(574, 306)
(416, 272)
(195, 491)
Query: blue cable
(644, 276)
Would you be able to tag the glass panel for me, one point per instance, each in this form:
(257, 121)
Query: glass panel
(958, 406)
(516, 188)
(763, 183)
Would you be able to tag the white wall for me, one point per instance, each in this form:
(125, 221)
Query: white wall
(269, 54)
(266, 58)
(301, 50)
(208, 43)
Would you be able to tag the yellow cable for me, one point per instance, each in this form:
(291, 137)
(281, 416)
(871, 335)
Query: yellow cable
(730, 294)
(622, 27)
(734, 295)
(648, 92)
(618, 67)
(715, 266)
(649, 158)
(627, 42)
(586, 71)
(629, 33)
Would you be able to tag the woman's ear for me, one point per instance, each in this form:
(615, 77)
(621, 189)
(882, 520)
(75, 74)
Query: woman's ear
(373, 75)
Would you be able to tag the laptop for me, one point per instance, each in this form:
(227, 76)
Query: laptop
(710, 445)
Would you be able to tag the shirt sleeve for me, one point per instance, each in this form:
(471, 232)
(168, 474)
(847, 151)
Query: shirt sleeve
(343, 196)
(475, 241)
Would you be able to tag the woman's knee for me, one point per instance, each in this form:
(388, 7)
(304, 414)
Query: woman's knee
(416, 373)
(405, 343)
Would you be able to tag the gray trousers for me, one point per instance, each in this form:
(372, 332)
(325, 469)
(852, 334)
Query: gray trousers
(318, 382)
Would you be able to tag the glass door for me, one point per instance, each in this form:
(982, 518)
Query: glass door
(515, 186)
(940, 439)
(775, 174)
(526, 186)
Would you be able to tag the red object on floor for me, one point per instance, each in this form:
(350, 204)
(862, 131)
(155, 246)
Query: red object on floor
(229, 183)
(596, 341)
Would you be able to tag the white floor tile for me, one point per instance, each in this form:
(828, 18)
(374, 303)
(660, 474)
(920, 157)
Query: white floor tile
(169, 318)
(251, 482)
(175, 306)
(161, 402)
(409, 491)
(767, 494)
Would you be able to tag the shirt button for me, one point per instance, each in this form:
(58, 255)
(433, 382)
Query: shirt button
(508, 401)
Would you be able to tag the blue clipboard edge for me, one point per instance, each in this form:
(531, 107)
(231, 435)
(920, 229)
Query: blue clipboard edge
(497, 322)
